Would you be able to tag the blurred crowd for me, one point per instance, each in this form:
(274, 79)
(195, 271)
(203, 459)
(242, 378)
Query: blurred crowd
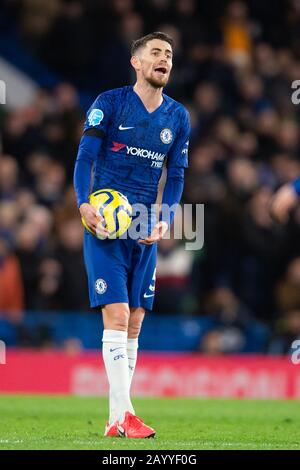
(234, 64)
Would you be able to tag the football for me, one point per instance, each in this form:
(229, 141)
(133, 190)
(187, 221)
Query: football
(116, 210)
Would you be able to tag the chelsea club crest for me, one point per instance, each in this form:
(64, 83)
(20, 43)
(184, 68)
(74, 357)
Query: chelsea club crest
(100, 286)
(166, 136)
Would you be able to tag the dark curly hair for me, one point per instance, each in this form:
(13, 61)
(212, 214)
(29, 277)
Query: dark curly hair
(143, 41)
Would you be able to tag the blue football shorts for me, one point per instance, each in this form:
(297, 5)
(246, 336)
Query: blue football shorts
(120, 270)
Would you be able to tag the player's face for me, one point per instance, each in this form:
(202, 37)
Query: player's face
(156, 62)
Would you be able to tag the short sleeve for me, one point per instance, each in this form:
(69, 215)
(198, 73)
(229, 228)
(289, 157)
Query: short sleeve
(178, 153)
(99, 115)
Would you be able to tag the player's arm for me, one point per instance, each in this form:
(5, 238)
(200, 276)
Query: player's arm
(176, 164)
(171, 198)
(88, 151)
(284, 200)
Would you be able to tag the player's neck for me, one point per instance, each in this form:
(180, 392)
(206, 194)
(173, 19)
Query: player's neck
(151, 97)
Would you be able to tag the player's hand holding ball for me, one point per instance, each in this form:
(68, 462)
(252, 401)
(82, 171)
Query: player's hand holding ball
(108, 214)
(93, 220)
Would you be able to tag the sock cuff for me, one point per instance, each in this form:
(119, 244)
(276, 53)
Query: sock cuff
(132, 343)
(114, 336)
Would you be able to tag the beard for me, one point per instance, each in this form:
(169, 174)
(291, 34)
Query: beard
(156, 82)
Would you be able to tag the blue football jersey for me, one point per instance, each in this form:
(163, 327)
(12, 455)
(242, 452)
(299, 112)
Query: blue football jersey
(136, 143)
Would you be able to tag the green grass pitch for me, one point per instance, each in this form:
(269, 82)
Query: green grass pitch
(52, 422)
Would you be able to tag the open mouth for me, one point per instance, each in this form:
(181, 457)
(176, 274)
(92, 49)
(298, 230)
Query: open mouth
(161, 70)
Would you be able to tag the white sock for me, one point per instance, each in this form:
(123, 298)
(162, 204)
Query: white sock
(113, 413)
(132, 348)
(114, 350)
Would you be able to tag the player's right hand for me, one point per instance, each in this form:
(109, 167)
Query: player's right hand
(93, 220)
(283, 201)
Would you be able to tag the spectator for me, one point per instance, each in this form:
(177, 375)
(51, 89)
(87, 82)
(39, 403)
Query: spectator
(288, 289)
(11, 285)
(287, 330)
(237, 33)
(234, 323)
(174, 265)
(8, 177)
(73, 285)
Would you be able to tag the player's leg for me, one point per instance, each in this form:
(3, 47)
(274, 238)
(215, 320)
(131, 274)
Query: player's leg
(141, 293)
(107, 268)
(114, 349)
(134, 327)
(133, 426)
(116, 319)
(141, 296)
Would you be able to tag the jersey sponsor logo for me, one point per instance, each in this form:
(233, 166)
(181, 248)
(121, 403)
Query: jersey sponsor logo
(95, 117)
(166, 136)
(100, 286)
(117, 146)
(139, 152)
(121, 128)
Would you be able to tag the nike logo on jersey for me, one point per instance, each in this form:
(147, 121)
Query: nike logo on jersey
(121, 128)
(112, 350)
(148, 295)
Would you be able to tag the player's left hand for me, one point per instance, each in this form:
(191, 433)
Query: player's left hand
(157, 234)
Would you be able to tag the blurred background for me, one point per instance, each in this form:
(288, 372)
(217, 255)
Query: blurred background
(234, 63)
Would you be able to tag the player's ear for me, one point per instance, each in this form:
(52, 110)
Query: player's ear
(135, 62)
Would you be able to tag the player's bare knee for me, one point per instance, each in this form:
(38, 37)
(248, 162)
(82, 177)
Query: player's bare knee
(134, 330)
(120, 320)
(116, 317)
(135, 322)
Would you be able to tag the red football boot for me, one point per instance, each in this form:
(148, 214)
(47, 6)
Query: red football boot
(134, 427)
(111, 430)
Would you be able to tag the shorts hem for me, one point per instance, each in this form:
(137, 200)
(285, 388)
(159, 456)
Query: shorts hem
(100, 303)
(141, 305)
